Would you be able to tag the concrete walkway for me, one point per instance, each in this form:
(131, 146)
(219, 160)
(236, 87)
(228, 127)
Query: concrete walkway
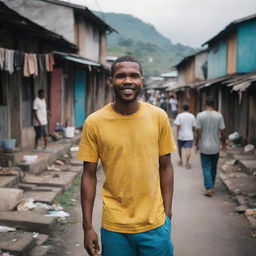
(201, 226)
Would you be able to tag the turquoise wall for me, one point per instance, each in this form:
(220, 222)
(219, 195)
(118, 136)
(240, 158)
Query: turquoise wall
(246, 47)
(217, 59)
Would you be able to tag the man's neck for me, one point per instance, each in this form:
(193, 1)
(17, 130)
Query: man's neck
(209, 108)
(126, 109)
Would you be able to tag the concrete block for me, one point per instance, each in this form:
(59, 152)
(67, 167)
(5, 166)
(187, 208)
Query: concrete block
(19, 244)
(40, 251)
(43, 196)
(9, 198)
(29, 221)
(41, 239)
(55, 179)
(8, 181)
(248, 166)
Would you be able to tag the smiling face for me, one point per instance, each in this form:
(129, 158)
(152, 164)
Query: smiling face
(126, 81)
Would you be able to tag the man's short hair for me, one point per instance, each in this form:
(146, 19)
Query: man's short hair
(210, 101)
(125, 58)
(186, 107)
(40, 91)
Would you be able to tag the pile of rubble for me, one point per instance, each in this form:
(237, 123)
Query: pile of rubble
(28, 214)
(238, 173)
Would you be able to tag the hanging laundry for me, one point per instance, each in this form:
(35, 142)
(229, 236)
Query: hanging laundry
(47, 64)
(2, 58)
(41, 62)
(8, 64)
(18, 60)
(33, 66)
(26, 65)
(30, 65)
(51, 62)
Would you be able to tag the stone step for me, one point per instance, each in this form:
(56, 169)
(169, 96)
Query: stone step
(55, 179)
(46, 159)
(248, 166)
(18, 244)
(8, 181)
(9, 198)
(29, 221)
(41, 239)
(40, 250)
(43, 196)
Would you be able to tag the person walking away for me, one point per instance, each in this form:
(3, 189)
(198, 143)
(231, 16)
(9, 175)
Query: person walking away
(134, 141)
(174, 107)
(209, 127)
(185, 123)
(40, 121)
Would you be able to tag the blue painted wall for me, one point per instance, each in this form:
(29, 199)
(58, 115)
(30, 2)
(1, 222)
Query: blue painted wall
(246, 46)
(217, 59)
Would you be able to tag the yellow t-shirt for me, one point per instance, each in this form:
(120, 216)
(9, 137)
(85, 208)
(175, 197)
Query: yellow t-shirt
(129, 148)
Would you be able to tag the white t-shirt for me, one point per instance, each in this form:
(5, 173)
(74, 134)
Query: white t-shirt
(174, 104)
(186, 121)
(40, 106)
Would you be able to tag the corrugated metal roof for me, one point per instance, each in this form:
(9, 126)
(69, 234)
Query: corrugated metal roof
(82, 61)
(230, 27)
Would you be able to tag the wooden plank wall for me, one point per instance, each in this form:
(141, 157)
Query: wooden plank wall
(231, 53)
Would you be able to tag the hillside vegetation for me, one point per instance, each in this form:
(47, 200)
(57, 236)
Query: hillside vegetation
(135, 37)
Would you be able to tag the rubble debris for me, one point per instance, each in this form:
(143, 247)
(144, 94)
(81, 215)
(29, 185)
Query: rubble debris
(248, 148)
(241, 209)
(60, 214)
(30, 158)
(4, 229)
(59, 162)
(53, 168)
(251, 212)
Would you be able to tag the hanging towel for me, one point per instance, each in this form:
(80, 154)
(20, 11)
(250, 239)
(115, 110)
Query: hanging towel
(18, 60)
(51, 62)
(9, 57)
(2, 58)
(47, 64)
(26, 65)
(41, 62)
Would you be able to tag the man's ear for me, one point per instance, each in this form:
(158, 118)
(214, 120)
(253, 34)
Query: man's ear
(110, 81)
(142, 84)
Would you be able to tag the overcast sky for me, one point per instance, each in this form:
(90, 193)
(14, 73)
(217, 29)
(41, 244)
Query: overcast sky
(190, 22)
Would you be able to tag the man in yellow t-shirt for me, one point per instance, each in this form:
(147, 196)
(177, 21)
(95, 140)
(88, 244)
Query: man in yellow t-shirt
(133, 140)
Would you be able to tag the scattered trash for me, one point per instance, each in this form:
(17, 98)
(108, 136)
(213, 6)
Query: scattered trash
(74, 149)
(4, 229)
(253, 234)
(235, 137)
(241, 209)
(77, 245)
(59, 162)
(26, 205)
(57, 207)
(251, 212)
(30, 158)
(53, 168)
(69, 132)
(62, 220)
(60, 214)
(35, 235)
(248, 148)
(5, 253)
(14, 240)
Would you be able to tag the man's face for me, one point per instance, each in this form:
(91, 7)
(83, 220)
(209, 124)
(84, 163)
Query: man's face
(127, 81)
(41, 95)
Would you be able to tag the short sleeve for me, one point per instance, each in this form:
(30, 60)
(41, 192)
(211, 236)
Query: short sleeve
(177, 120)
(88, 148)
(194, 121)
(166, 140)
(198, 122)
(35, 105)
(222, 124)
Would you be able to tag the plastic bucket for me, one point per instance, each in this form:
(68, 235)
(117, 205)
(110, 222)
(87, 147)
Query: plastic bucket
(69, 132)
(8, 144)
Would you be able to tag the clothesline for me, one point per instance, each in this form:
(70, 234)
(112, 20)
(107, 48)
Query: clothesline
(30, 63)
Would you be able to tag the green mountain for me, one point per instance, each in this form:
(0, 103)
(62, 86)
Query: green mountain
(135, 37)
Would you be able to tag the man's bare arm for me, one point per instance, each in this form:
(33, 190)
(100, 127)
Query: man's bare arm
(166, 181)
(88, 192)
(197, 138)
(36, 116)
(223, 139)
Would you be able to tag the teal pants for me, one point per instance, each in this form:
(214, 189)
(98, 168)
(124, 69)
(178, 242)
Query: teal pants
(155, 242)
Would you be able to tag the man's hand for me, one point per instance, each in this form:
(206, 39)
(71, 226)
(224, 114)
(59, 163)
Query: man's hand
(196, 149)
(91, 243)
(224, 147)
